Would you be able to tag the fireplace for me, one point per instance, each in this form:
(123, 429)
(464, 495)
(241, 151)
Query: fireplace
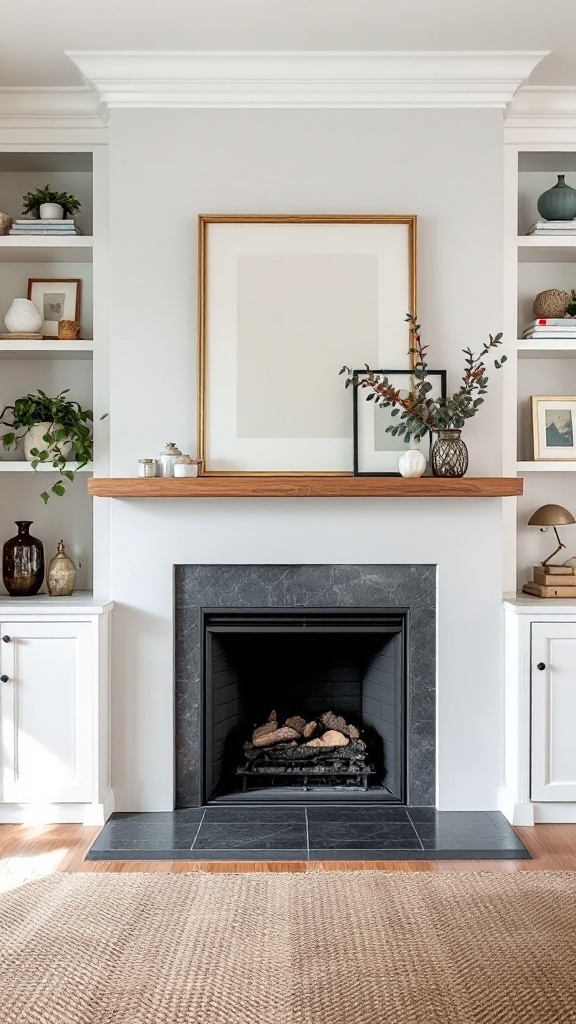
(356, 641)
(338, 673)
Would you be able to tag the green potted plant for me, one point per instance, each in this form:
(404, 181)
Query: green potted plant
(45, 203)
(52, 430)
(420, 414)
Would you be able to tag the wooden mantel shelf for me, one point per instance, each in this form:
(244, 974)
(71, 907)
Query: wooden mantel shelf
(306, 487)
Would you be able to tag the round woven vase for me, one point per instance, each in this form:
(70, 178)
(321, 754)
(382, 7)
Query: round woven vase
(449, 455)
(550, 303)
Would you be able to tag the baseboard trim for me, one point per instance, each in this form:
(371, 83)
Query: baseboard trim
(554, 813)
(58, 813)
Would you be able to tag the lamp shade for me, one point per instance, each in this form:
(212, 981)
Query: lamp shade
(551, 515)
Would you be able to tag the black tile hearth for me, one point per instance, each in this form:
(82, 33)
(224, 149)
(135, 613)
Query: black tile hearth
(313, 833)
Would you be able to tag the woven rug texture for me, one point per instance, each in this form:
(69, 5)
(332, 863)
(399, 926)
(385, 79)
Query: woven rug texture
(314, 948)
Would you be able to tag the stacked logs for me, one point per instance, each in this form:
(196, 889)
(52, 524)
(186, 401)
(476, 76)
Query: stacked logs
(329, 730)
(327, 745)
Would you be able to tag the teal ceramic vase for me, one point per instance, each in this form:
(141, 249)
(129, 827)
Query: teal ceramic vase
(559, 202)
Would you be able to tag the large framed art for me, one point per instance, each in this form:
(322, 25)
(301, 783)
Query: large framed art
(284, 303)
(376, 451)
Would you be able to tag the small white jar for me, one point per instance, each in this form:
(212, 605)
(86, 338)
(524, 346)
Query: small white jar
(165, 464)
(185, 466)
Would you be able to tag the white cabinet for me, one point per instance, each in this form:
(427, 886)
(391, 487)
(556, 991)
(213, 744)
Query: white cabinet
(540, 711)
(54, 710)
(553, 707)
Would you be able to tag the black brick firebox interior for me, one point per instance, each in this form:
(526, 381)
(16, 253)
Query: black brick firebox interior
(304, 662)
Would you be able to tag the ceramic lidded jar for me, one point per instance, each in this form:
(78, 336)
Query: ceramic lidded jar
(23, 317)
(412, 462)
(61, 575)
(185, 466)
(23, 562)
(558, 202)
(165, 464)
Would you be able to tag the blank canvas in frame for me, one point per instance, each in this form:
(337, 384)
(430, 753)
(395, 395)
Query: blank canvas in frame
(285, 302)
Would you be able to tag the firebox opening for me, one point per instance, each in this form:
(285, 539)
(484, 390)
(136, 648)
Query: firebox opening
(304, 662)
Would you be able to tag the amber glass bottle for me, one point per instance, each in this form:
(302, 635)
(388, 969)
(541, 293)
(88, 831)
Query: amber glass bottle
(23, 562)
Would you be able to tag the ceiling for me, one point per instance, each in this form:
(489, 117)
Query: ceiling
(35, 33)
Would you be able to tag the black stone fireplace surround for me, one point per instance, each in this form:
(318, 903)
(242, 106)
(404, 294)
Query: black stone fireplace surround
(220, 608)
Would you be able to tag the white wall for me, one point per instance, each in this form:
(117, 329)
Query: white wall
(166, 168)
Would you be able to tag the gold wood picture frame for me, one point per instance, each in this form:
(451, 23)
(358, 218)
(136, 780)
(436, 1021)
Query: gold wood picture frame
(284, 301)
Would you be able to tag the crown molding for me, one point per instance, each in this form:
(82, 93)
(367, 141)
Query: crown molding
(51, 108)
(544, 113)
(287, 79)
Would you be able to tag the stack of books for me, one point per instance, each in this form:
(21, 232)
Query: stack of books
(44, 227)
(553, 227)
(552, 581)
(551, 327)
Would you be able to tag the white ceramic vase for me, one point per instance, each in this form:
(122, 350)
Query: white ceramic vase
(23, 317)
(34, 438)
(412, 463)
(51, 211)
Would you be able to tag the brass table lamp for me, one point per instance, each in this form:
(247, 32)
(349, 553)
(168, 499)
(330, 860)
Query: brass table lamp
(552, 515)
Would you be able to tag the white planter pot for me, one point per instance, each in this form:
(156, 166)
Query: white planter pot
(412, 463)
(34, 439)
(51, 211)
(23, 317)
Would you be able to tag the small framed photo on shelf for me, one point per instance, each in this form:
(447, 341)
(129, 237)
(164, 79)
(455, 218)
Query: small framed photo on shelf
(55, 299)
(554, 427)
(376, 451)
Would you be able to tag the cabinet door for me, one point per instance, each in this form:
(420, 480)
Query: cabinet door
(553, 711)
(46, 712)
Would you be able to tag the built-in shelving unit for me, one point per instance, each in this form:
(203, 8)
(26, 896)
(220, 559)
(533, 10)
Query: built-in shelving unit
(46, 249)
(535, 367)
(50, 364)
(26, 467)
(46, 349)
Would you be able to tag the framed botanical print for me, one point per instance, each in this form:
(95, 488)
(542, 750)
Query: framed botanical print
(376, 451)
(284, 302)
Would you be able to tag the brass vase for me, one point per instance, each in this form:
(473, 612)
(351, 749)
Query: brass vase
(61, 575)
(23, 562)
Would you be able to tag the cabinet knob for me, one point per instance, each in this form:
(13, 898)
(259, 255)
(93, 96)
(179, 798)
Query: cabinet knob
(4, 679)
(541, 666)
(6, 638)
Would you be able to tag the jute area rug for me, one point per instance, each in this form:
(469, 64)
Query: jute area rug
(313, 948)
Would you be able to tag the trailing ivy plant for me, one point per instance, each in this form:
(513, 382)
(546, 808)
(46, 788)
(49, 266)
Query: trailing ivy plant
(419, 413)
(69, 431)
(33, 200)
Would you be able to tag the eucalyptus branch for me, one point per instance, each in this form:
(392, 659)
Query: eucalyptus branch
(418, 412)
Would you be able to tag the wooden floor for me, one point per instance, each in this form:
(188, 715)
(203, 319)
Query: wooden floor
(46, 849)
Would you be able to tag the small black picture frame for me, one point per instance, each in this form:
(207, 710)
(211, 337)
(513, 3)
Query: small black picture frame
(371, 449)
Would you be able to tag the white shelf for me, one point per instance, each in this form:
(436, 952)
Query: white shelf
(547, 249)
(49, 349)
(26, 467)
(82, 602)
(554, 348)
(46, 248)
(567, 466)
